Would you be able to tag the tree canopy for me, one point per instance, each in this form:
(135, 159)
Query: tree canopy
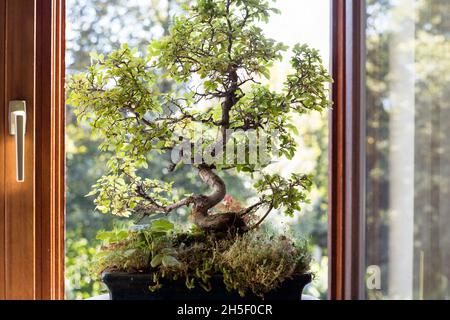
(217, 53)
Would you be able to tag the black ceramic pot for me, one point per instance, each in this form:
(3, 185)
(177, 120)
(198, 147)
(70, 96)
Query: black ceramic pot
(128, 286)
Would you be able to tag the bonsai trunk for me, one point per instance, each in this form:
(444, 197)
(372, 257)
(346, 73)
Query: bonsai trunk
(230, 221)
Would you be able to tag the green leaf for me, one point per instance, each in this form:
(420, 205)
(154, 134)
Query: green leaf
(161, 226)
(170, 261)
(168, 251)
(156, 261)
(122, 235)
(92, 193)
(104, 235)
(293, 128)
(179, 165)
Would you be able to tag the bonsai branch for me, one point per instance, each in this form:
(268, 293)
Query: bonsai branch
(252, 208)
(153, 207)
(201, 205)
(256, 225)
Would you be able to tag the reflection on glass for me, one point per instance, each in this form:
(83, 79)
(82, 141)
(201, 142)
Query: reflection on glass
(408, 150)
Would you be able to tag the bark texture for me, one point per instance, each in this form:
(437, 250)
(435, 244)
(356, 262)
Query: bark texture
(200, 213)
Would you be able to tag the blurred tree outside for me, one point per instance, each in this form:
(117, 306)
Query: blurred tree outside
(431, 48)
(101, 26)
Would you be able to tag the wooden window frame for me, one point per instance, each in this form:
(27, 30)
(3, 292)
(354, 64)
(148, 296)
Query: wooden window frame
(51, 191)
(347, 152)
(32, 213)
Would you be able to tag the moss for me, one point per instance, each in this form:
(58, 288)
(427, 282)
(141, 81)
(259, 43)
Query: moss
(260, 263)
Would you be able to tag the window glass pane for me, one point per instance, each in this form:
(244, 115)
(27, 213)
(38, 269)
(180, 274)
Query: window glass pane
(101, 26)
(408, 150)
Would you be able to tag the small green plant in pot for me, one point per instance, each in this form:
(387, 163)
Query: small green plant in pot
(219, 118)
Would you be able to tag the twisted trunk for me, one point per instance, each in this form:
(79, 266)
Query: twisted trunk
(216, 183)
(221, 221)
(202, 205)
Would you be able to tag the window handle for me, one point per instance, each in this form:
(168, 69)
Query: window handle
(17, 127)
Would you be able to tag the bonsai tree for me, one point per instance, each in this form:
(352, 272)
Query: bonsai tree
(218, 55)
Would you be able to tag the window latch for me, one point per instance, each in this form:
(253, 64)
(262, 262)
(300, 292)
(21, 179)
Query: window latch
(17, 128)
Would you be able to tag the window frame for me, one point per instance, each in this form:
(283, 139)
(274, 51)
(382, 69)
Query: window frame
(346, 230)
(32, 213)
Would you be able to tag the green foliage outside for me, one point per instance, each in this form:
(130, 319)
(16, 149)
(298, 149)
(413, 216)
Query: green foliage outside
(429, 42)
(86, 164)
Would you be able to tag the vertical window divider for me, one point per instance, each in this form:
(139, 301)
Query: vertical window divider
(50, 150)
(347, 156)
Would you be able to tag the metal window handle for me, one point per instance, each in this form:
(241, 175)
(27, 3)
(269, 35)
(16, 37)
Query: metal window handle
(17, 128)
